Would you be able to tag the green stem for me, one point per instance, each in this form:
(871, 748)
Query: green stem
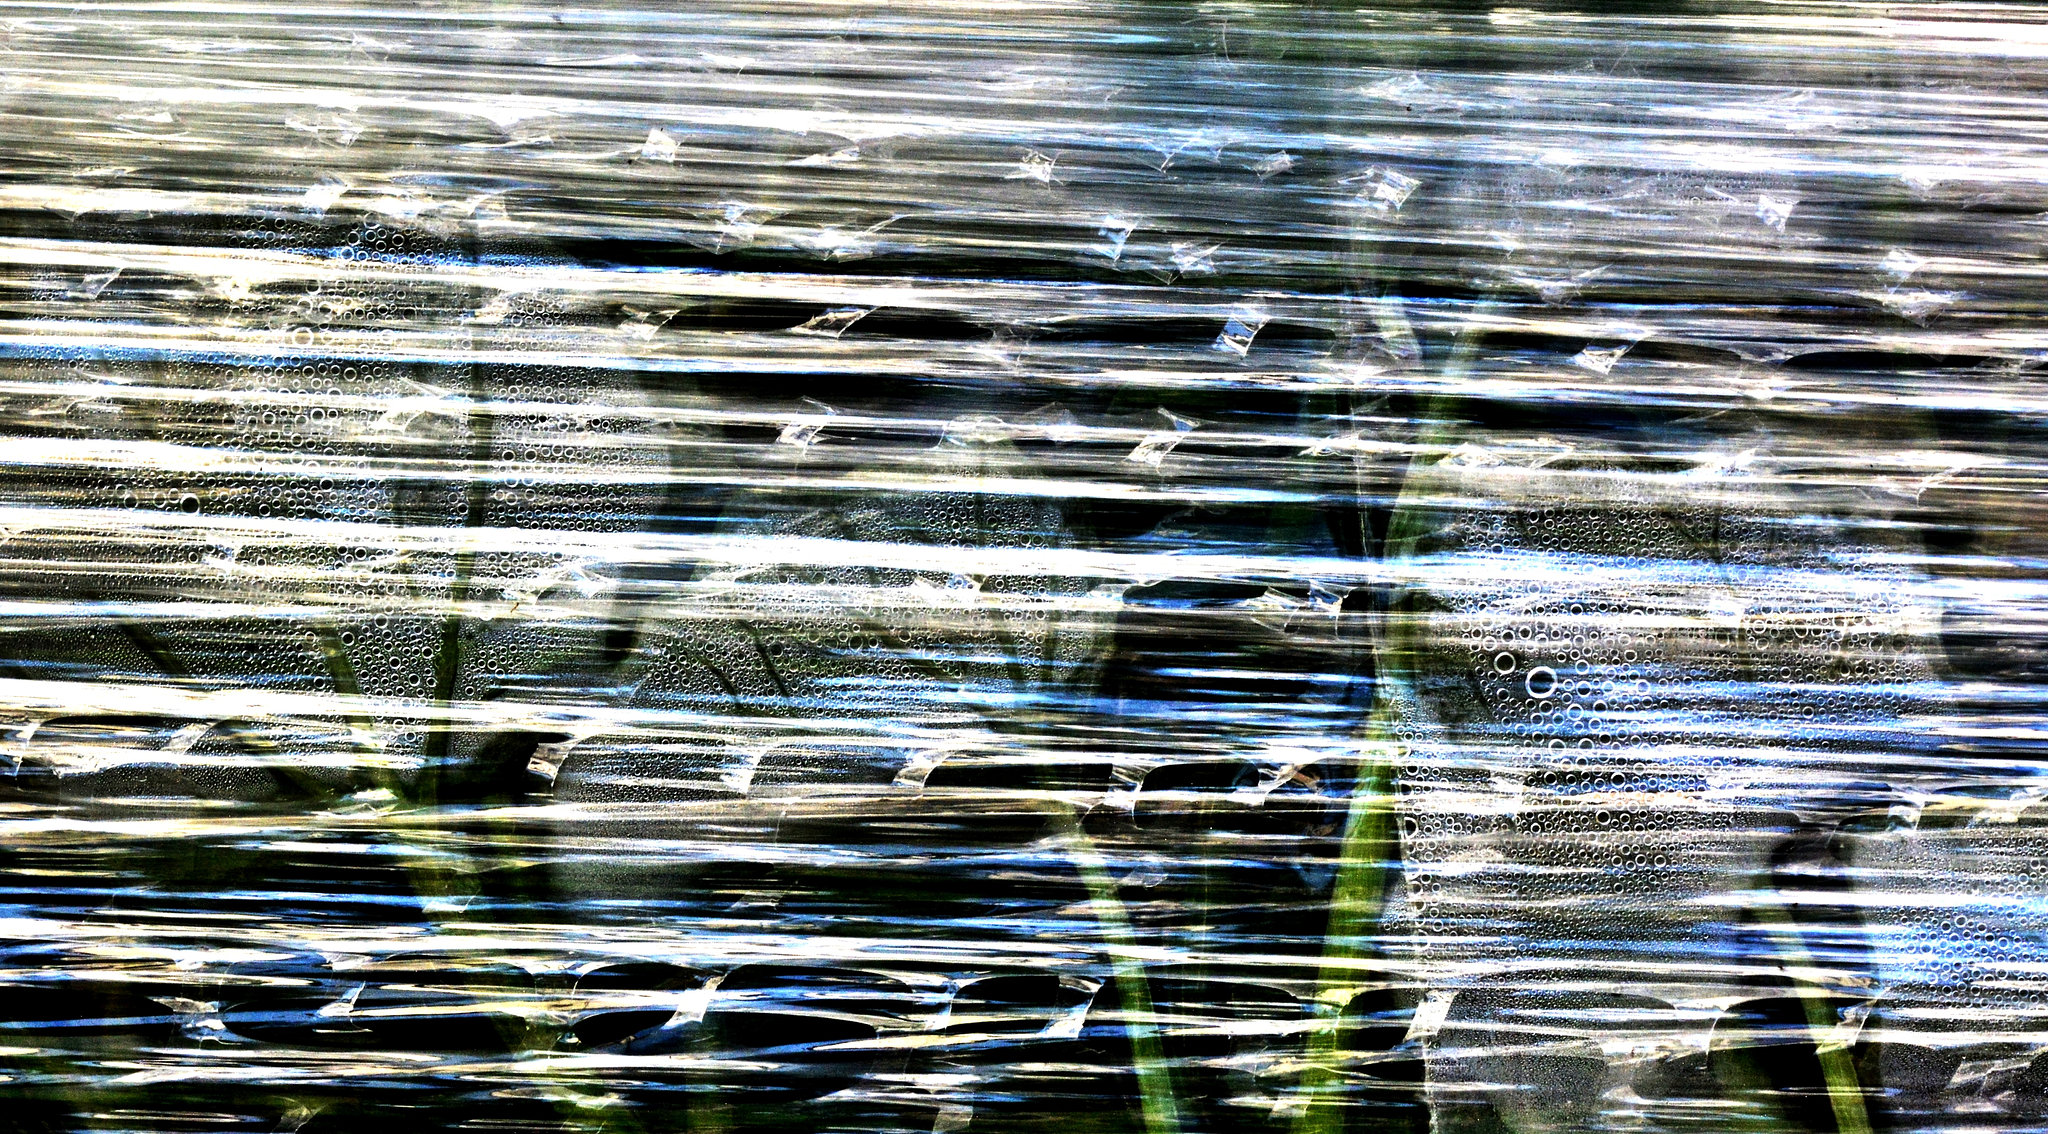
(1838, 1072)
(1148, 1056)
(1357, 897)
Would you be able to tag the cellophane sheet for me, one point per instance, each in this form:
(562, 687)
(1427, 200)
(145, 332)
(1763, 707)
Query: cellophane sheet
(1068, 567)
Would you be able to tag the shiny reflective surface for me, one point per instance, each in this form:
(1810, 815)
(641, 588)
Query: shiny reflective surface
(1069, 567)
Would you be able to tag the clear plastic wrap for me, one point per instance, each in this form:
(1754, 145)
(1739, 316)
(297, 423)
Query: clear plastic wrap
(1211, 567)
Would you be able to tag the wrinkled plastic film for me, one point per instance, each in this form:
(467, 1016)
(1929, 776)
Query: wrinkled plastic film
(1124, 567)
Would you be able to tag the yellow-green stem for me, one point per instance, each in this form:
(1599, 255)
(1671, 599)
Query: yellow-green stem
(1148, 1056)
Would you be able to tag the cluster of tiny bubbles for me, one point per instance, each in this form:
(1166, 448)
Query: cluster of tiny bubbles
(1974, 952)
(535, 311)
(582, 460)
(563, 454)
(298, 425)
(1603, 620)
